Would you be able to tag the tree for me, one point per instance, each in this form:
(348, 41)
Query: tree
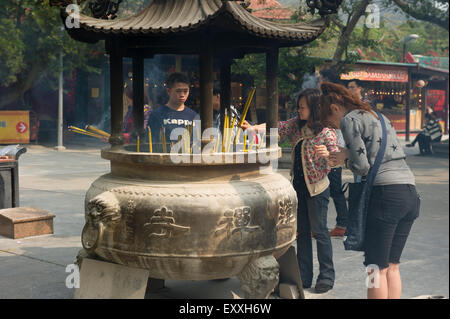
(32, 39)
(347, 35)
(292, 64)
(354, 11)
(433, 11)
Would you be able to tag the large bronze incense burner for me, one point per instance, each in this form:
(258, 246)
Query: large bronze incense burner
(204, 219)
(196, 221)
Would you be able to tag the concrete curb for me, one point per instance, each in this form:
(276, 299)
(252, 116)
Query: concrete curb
(440, 148)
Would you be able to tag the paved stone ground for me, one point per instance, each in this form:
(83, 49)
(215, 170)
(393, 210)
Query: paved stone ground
(57, 181)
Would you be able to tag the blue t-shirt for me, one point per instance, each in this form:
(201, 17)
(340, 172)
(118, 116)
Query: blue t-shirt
(165, 117)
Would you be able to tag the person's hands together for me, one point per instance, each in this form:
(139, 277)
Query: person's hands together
(338, 158)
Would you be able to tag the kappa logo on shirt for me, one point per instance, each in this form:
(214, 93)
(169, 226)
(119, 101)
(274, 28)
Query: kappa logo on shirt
(177, 122)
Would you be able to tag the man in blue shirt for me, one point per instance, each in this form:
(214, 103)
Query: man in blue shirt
(174, 114)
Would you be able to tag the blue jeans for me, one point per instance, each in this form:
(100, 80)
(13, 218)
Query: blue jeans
(335, 177)
(312, 217)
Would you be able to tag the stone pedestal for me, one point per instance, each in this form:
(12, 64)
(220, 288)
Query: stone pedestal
(104, 280)
(20, 222)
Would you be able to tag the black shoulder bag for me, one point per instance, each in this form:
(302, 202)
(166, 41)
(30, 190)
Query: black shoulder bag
(358, 200)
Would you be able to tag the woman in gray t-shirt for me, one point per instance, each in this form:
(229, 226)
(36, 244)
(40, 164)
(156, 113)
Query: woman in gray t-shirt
(394, 202)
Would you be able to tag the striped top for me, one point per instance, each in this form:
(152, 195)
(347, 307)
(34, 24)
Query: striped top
(433, 130)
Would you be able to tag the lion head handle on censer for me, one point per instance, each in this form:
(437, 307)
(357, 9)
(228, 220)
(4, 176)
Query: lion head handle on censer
(103, 208)
(101, 211)
(324, 7)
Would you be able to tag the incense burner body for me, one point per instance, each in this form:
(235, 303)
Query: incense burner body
(194, 221)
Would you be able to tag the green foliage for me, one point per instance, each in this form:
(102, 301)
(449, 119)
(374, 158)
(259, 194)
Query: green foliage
(292, 63)
(433, 11)
(384, 43)
(31, 36)
(252, 65)
(11, 53)
(285, 144)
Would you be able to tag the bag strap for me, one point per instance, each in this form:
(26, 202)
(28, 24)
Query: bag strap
(380, 154)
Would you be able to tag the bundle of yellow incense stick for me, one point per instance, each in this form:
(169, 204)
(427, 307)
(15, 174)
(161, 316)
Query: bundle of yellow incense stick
(95, 130)
(84, 132)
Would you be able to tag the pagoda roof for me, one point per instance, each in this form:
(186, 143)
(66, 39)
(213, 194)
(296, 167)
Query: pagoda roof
(270, 9)
(166, 18)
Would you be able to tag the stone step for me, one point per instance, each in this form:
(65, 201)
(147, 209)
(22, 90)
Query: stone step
(20, 222)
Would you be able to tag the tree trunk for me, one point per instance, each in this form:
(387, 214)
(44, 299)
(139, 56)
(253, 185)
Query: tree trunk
(17, 92)
(347, 31)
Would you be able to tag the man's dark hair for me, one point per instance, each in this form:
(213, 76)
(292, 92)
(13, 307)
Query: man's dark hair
(175, 78)
(431, 116)
(330, 75)
(216, 88)
(358, 82)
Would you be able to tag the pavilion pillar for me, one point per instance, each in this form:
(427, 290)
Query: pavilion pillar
(272, 92)
(116, 87)
(408, 106)
(446, 108)
(225, 88)
(138, 96)
(206, 88)
(178, 63)
(424, 106)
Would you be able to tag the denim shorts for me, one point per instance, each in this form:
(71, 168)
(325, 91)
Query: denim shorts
(392, 211)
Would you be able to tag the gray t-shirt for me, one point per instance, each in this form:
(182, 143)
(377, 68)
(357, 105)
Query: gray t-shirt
(362, 134)
(340, 138)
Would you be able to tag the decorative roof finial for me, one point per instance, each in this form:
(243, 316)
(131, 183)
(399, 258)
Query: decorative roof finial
(65, 3)
(324, 7)
(105, 9)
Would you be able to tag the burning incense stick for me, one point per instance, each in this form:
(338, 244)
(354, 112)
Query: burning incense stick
(245, 142)
(224, 135)
(244, 113)
(261, 142)
(251, 143)
(187, 141)
(150, 144)
(216, 147)
(163, 140)
(247, 105)
(229, 144)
